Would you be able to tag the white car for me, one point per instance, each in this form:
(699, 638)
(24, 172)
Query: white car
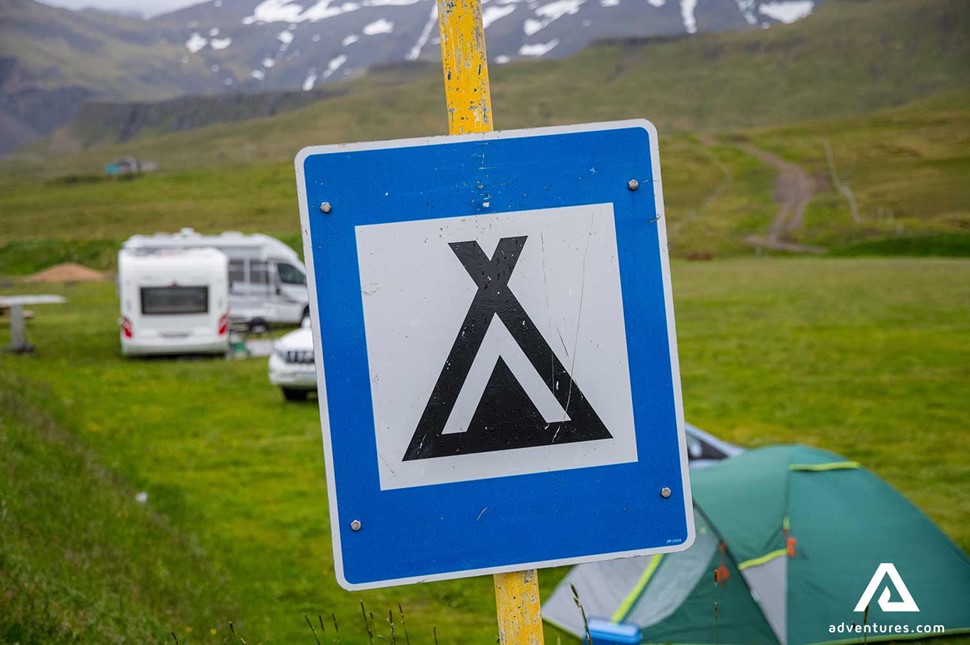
(291, 364)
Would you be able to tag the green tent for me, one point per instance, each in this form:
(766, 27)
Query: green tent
(791, 541)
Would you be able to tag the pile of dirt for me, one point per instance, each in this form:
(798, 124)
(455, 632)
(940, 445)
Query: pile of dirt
(67, 272)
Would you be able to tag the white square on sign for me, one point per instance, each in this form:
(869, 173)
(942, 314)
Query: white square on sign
(496, 345)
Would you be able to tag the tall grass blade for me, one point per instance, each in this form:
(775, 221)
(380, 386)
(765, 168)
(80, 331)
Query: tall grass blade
(310, 625)
(404, 626)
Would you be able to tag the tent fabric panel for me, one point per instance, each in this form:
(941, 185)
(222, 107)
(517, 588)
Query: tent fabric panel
(602, 587)
(803, 455)
(745, 499)
(769, 586)
(624, 609)
(715, 612)
(675, 578)
(845, 524)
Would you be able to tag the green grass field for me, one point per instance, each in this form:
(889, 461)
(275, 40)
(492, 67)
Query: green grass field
(865, 357)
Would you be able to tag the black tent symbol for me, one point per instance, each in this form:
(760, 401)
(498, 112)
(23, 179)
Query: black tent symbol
(506, 418)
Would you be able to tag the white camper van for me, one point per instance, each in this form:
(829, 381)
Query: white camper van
(267, 281)
(173, 301)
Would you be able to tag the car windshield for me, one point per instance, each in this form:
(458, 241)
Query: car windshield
(289, 274)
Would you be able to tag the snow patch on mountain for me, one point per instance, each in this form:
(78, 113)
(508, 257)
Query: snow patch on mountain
(549, 13)
(747, 7)
(687, 14)
(220, 43)
(657, 3)
(285, 37)
(415, 51)
(293, 12)
(274, 11)
(322, 10)
(609, 3)
(538, 49)
(491, 14)
(268, 62)
(379, 26)
(334, 64)
(310, 80)
(350, 40)
(195, 43)
(258, 74)
(787, 12)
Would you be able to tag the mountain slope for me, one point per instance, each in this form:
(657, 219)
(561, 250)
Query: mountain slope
(259, 45)
(107, 54)
(274, 44)
(288, 44)
(849, 58)
(52, 60)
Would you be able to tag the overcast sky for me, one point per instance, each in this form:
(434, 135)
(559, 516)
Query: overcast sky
(146, 8)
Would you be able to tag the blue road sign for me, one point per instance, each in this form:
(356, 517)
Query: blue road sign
(495, 351)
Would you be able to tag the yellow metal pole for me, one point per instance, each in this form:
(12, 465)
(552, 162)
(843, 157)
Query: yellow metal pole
(465, 66)
(469, 102)
(517, 606)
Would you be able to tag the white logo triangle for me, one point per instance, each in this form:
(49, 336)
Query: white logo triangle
(905, 603)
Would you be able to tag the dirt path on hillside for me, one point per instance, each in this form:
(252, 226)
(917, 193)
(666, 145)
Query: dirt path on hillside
(794, 188)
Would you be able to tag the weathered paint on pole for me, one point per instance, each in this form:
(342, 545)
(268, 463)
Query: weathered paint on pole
(465, 66)
(469, 102)
(517, 605)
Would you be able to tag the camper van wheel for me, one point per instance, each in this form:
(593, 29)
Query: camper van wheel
(258, 326)
(294, 395)
(305, 316)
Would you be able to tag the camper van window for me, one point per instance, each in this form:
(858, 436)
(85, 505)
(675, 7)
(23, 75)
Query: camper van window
(170, 301)
(289, 274)
(259, 272)
(237, 271)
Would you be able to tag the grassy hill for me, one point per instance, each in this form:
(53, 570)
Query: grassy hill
(80, 559)
(848, 58)
(906, 169)
(891, 182)
(111, 55)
